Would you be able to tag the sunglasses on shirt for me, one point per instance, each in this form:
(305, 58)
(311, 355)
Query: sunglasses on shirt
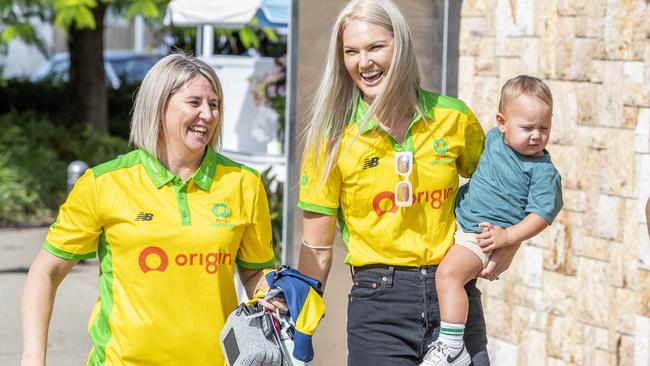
(404, 188)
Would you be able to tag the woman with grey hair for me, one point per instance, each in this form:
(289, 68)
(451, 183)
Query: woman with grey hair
(383, 156)
(168, 222)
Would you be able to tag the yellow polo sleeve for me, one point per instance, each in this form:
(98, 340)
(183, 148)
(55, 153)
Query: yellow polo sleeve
(74, 235)
(316, 196)
(256, 249)
(473, 137)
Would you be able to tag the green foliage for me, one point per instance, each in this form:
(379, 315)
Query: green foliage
(270, 34)
(14, 22)
(120, 103)
(15, 16)
(89, 145)
(74, 12)
(274, 193)
(79, 14)
(34, 154)
(229, 41)
(29, 171)
(55, 102)
(248, 37)
(12, 31)
(147, 8)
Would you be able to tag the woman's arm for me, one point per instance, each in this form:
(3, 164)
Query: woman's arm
(252, 279)
(45, 274)
(318, 229)
(318, 232)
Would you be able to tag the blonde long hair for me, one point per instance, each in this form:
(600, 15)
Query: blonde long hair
(165, 78)
(334, 101)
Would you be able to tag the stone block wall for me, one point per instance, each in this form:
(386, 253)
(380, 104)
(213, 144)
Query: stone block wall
(579, 293)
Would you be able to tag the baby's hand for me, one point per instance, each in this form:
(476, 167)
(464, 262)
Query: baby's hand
(492, 237)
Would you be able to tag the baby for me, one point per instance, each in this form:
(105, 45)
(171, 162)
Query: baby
(514, 194)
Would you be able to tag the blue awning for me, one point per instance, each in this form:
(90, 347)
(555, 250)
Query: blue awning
(274, 13)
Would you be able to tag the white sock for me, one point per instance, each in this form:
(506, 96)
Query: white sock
(452, 334)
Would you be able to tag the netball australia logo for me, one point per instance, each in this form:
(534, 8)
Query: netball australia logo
(221, 210)
(440, 146)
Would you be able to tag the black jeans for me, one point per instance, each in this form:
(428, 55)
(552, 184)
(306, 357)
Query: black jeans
(393, 315)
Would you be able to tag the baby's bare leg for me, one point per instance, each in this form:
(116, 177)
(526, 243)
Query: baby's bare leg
(458, 267)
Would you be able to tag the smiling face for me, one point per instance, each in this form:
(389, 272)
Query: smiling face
(367, 54)
(190, 119)
(526, 125)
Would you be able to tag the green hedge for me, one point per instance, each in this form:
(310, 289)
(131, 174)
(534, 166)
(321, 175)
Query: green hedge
(34, 154)
(51, 99)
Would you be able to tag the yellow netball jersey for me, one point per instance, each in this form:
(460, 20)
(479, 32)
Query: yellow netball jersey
(445, 142)
(167, 253)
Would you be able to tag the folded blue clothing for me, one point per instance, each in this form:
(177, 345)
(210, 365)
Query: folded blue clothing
(303, 295)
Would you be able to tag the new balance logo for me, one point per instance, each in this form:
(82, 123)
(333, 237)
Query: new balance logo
(370, 163)
(144, 216)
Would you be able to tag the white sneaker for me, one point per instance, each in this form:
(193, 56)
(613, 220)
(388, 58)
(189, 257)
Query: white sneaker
(439, 354)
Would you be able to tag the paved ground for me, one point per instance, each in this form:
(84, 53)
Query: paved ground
(68, 341)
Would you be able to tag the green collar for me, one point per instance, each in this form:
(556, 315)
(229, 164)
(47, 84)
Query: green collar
(361, 109)
(160, 175)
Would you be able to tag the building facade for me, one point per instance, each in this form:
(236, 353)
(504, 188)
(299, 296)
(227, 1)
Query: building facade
(579, 293)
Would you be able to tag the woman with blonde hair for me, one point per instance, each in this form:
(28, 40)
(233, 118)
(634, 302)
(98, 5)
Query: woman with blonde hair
(169, 223)
(383, 156)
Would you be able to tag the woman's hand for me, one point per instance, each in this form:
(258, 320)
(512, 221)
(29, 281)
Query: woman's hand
(499, 262)
(492, 237)
(273, 303)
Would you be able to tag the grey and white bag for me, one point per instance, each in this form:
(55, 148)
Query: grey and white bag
(253, 336)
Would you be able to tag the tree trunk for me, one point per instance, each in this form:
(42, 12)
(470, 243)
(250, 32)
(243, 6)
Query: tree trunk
(87, 76)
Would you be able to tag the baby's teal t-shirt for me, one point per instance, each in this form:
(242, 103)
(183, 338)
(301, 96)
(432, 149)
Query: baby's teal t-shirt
(507, 186)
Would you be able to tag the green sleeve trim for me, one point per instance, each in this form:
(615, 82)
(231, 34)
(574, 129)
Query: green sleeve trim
(249, 265)
(65, 255)
(345, 233)
(348, 259)
(100, 330)
(318, 209)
